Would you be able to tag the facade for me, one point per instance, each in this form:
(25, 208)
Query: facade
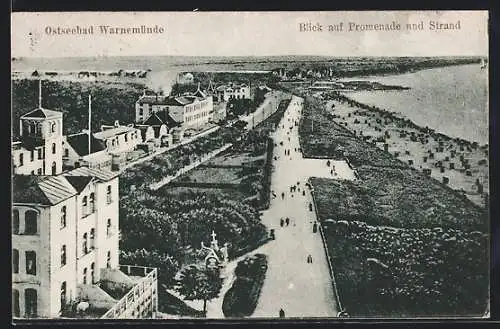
(191, 110)
(119, 139)
(65, 226)
(65, 247)
(233, 91)
(39, 148)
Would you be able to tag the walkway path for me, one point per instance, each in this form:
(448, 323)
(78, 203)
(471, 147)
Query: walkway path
(299, 288)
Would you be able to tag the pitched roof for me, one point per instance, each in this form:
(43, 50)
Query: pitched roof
(102, 174)
(199, 93)
(161, 117)
(79, 182)
(42, 113)
(79, 142)
(113, 132)
(45, 190)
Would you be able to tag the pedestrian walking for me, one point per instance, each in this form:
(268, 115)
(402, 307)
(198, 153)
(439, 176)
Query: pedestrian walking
(287, 220)
(282, 222)
(310, 207)
(309, 259)
(281, 313)
(282, 195)
(315, 227)
(303, 192)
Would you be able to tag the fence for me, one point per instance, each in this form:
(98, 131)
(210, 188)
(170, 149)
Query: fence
(328, 258)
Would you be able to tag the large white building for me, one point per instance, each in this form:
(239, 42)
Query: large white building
(65, 234)
(233, 91)
(192, 111)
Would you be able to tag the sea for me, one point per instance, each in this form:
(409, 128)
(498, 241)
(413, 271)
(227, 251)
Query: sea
(452, 100)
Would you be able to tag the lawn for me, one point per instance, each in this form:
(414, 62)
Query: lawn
(383, 272)
(400, 198)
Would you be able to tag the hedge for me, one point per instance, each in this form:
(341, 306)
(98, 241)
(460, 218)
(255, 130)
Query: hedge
(241, 299)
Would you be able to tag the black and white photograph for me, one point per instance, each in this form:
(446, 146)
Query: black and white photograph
(250, 165)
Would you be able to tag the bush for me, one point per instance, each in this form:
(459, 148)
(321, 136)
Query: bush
(241, 299)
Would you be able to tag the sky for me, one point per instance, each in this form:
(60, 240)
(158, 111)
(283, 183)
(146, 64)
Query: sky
(250, 34)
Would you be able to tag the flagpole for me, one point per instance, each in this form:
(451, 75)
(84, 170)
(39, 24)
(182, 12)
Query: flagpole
(90, 116)
(39, 93)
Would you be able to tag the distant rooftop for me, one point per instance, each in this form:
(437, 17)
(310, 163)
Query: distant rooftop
(113, 132)
(80, 143)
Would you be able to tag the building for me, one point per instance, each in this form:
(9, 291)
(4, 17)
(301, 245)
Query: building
(65, 249)
(76, 152)
(38, 150)
(233, 91)
(118, 138)
(192, 111)
(164, 127)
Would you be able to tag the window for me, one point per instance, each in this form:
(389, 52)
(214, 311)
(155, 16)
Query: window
(63, 295)
(53, 127)
(54, 168)
(21, 159)
(108, 261)
(31, 262)
(54, 148)
(92, 273)
(32, 172)
(84, 206)
(84, 244)
(113, 142)
(15, 221)
(15, 261)
(40, 153)
(30, 218)
(126, 137)
(92, 238)
(108, 227)
(39, 171)
(85, 276)
(66, 152)
(63, 255)
(63, 217)
(92, 202)
(141, 111)
(15, 303)
(32, 155)
(30, 302)
(108, 194)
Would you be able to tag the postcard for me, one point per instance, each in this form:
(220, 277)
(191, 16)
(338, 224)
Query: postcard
(250, 165)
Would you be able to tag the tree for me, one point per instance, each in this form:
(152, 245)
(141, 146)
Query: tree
(195, 283)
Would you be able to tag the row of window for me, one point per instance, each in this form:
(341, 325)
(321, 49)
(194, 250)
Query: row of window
(30, 303)
(41, 154)
(36, 127)
(30, 222)
(116, 141)
(196, 116)
(30, 257)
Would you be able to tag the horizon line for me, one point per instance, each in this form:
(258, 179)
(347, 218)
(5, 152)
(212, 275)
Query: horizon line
(243, 56)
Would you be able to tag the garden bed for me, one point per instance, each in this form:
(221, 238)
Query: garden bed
(241, 299)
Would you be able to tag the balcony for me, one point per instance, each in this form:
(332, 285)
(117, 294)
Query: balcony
(138, 298)
(130, 292)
